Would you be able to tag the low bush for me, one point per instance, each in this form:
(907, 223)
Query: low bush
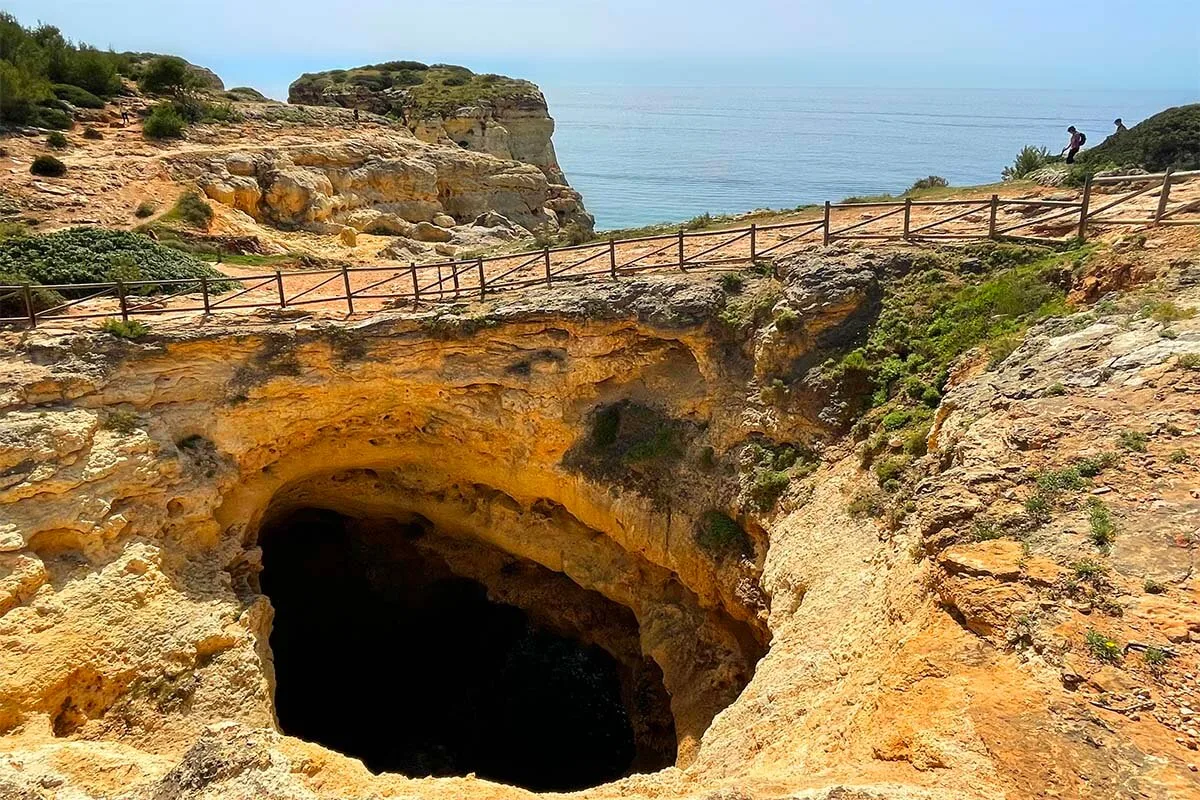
(1030, 159)
(123, 422)
(767, 487)
(77, 96)
(88, 255)
(122, 329)
(48, 167)
(1103, 647)
(192, 209)
(57, 141)
(12, 304)
(145, 209)
(164, 122)
(720, 536)
(1104, 531)
(93, 134)
(1134, 441)
(732, 283)
(1170, 138)
(932, 182)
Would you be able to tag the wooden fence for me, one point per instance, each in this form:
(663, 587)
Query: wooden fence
(368, 288)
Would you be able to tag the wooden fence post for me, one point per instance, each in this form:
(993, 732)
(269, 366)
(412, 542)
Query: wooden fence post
(482, 280)
(1164, 196)
(121, 298)
(412, 267)
(992, 215)
(546, 263)
(349, 294)
(204, 293)
(1083, 207)
(612, 258)
(681, 265)
(441, 282)
(827, 238)
(279, 285)
(907, 216)
(454, 270)
(753, 242)
(27, 293)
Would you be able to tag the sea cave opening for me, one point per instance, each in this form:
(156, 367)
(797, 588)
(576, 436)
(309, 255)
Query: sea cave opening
(386, 652)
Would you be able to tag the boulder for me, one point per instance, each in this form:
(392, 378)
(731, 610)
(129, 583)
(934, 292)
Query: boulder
(428, 232)
(444, 220)
(349, 237)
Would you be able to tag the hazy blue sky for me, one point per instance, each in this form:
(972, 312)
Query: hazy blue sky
(1149, 44)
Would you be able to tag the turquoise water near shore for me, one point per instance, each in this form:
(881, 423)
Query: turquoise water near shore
(645, 154)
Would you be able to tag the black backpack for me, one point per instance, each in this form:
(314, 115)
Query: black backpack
(1082, 138)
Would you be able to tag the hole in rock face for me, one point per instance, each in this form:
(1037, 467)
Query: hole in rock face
(381, 652)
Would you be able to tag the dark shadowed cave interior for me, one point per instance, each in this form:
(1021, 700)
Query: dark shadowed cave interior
(382, 653)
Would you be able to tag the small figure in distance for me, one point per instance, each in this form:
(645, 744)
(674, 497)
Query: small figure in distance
(124, 116)
(1120, 126)
(1077, 141)
(356, 113)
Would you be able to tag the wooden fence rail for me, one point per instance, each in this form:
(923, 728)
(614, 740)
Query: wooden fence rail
(730, 248)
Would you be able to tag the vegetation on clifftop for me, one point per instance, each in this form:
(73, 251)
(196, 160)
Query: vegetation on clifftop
(96, 255)
(1170, 138)
(421, 90)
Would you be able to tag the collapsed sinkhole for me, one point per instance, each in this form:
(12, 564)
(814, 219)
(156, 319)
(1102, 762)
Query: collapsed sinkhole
(382, 652)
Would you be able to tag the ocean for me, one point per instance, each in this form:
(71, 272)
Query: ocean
(645, 154)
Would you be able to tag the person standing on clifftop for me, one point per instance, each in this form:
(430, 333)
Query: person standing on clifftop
(1077, 141)
(1120, 126)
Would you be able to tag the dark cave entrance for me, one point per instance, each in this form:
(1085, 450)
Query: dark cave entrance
(382, 653)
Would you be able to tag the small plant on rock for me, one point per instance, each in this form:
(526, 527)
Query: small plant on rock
(1103, 647)
(194, 210)
(732, 283)
(124, 422)
(145, 209)
(1055, 390)
(1179, 456)
(1151, 586)
(57, 141)
(868, 503)
(1089, 570)
(92, 133)
(124, 329)
(1188, 361)
(720, 536)
(1155, 657)
(1134, 441)
(1104, 531)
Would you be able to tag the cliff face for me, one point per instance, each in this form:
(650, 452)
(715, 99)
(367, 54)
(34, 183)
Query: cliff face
(567, 451)
(492, 114)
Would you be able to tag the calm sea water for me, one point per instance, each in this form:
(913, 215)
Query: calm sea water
(644, 154)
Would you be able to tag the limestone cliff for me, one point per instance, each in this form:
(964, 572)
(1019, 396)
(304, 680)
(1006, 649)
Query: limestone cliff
(601, 457)
(504, 117)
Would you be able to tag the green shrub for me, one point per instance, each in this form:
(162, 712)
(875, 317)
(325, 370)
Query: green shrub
(86, 255)
(1179, 456)
(1102, 647)
(1092, 466)
(787, 320)
(123, 422)
(1055, 390)
(1134, 441)
(1151, 586)
(1030, 159)
(164, 122)
(132, 329)
(767, 487)
(12, 304)
(932, 182)
(167, 75)
(92, 133)
(890, 469)
(48, 167)
(1188, 360)
(895, 420)
(1039, 507)
(868, 503)
(192, 209)
(57, 141)
(1103, 529)
(1155, 657)
(77, 96)
(145, 209)
(732, 283)
(1166, 311)
(720, 536)
(1170, 138)
(1088, 570)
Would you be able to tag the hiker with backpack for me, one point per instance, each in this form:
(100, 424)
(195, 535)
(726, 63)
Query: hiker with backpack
(1078, 139)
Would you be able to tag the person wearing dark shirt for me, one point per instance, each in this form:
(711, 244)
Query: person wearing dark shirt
(1120, 126)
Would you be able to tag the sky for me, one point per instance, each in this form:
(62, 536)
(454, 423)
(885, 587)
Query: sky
(1146, 44)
